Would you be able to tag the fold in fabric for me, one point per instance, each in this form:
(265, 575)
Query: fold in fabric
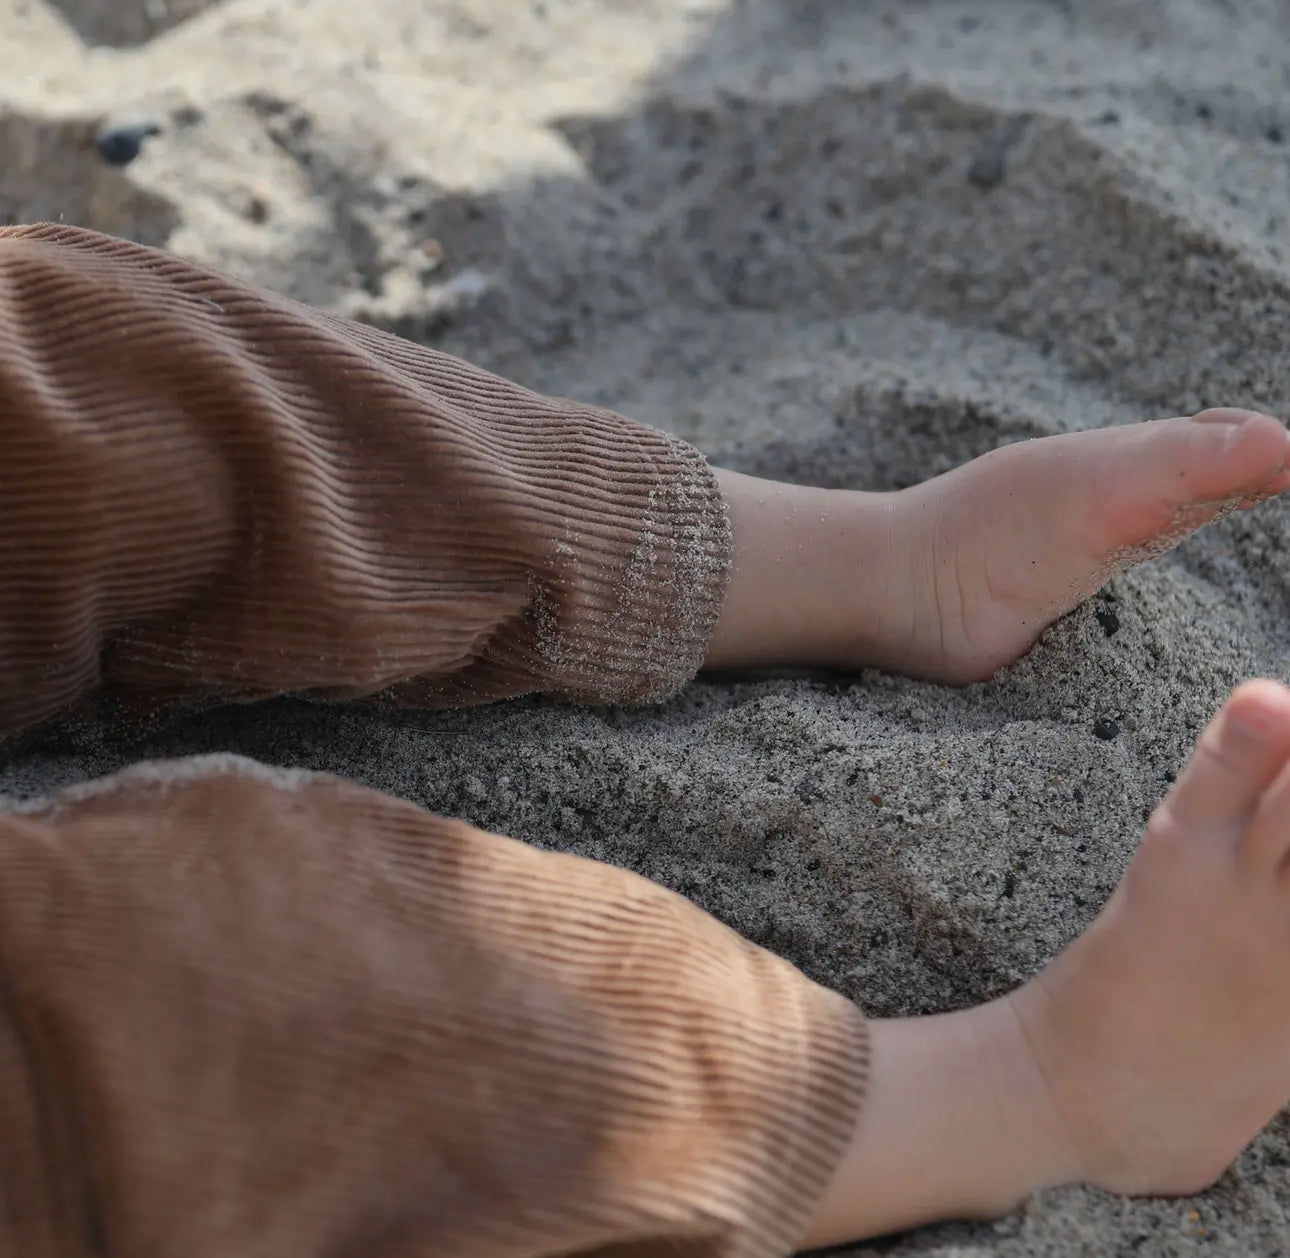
(207, 491)
(278, 1015)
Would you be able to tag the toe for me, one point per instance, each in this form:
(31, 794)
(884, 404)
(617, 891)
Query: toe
(1267, 841)
(1164, 479)
(1226, 415)
(1230, 453)
(1242, 752)
(1265, 436)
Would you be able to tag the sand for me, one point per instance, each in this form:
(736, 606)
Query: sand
(849, 243)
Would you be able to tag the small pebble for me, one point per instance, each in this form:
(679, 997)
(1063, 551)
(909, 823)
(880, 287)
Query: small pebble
(119, 146)
(1108, 620)
(990, 166)
(1107, 729)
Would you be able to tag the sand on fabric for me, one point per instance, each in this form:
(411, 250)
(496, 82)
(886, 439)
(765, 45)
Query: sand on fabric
(852, 244)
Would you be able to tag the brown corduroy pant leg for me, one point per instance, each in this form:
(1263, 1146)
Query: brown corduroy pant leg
(246, 1013)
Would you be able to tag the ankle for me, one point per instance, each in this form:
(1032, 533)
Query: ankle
(1028, 1143)
(802, 589)
(1055, 1157)
(958, 1124)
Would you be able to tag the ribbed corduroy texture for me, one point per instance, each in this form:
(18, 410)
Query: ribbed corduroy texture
(209, 490)
(269, 1015)
(248, 1014)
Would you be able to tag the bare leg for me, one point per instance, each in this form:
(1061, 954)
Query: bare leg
(952, 579)
(1144, 1058)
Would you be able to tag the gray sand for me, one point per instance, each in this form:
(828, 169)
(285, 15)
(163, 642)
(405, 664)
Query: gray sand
(850, 243)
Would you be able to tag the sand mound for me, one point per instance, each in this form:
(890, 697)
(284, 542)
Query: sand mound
(123, 23)
(846, 244)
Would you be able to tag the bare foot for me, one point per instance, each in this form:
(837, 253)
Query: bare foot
(952, 579)
(1008, 543)
(1142, 1059)
(1164, 1031)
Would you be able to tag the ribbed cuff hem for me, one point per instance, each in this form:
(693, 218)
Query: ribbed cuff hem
(627, 545)
(803, 1138)
(630, 601)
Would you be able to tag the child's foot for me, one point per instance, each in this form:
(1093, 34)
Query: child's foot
(954, 578)
(1144, 1058)
(1006, 544)
(1164, 1031)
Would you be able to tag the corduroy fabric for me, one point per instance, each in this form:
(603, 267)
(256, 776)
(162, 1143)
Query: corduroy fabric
(254, 1014)
(210, 491)
(278, 1015)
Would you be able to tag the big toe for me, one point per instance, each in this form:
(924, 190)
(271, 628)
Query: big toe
(1241, 754)
(1228, 453)
(1163, 479)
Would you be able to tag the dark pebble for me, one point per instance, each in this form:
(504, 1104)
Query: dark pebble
(1108, 620)
(1204, 113)
(1275, 134)
(119, 146)
(989, 168)
(990, 165)
(1109, 117)
(1107, 729)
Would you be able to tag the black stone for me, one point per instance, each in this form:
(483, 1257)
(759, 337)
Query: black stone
(1108, 620)
(119, 146)
(990, 166)
(1107, 729)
